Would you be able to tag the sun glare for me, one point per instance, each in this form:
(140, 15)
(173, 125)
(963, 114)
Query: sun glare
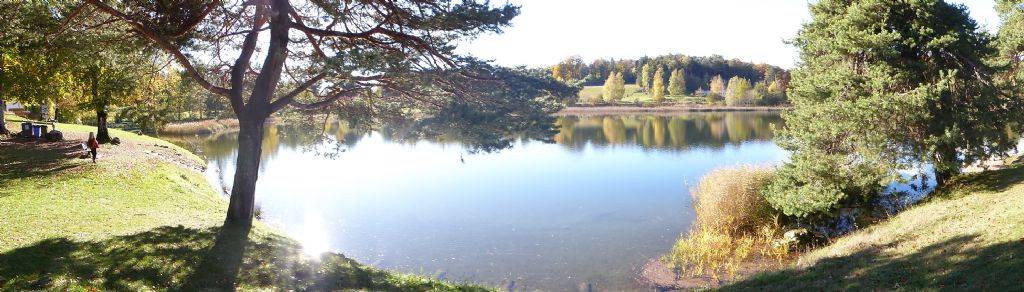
(313, 237)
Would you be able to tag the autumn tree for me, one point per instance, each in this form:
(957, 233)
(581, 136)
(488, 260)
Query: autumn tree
(717, 86)
(29, 71)
(644, 79)
(658, 86)
(570, 69)
(738, 91)
(677, 83)
(318, 53)
(614, 88)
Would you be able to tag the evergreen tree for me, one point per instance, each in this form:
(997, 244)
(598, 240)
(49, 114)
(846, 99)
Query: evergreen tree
(677, 83)
(885, 86)
(658, 86)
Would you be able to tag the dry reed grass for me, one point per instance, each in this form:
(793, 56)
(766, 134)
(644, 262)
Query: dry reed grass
(203, 127)
(734, 224)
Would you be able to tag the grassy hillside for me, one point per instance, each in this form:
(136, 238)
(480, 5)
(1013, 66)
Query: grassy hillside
(967, 237)
(143, 218)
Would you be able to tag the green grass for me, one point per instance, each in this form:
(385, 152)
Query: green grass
(968, 236)
(142, 219)
(634, 95)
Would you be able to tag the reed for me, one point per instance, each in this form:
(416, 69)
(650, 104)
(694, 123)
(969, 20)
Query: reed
(734, 225)
(203, 127)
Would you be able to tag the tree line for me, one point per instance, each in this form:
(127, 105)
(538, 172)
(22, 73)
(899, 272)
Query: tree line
(696, 72)
(680, 75)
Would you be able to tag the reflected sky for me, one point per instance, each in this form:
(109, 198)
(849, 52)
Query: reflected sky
(610, 193)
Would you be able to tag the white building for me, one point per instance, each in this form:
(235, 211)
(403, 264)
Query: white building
(14, 106)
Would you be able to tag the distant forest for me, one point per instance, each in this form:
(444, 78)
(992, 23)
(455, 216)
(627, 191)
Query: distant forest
(698, 71)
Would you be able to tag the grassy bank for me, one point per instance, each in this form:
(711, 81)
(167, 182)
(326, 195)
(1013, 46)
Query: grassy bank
(968, 236)
(143, 218)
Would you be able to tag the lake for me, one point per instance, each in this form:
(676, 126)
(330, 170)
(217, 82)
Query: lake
(586, 211)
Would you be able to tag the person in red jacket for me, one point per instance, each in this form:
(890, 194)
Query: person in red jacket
(93, 145)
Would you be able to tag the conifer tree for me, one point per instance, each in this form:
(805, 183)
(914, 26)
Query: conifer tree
(869, 102)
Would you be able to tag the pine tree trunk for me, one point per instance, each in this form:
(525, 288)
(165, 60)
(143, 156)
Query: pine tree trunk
(946, 165)
(102, 135)
(941, 177)
(243, 191)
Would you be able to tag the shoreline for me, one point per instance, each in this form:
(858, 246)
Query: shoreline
(624, 109)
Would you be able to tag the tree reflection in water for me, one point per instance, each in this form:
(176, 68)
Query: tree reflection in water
(681, 131)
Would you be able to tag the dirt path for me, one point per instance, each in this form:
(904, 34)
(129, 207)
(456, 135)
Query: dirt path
(72, 148)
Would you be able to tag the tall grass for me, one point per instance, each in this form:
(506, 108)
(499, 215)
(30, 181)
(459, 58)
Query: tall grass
(734, 225)
(203, 127)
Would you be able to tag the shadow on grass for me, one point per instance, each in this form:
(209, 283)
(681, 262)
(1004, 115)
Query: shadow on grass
(988, 181)
(949, 265)
(185, 259)
(26, 158)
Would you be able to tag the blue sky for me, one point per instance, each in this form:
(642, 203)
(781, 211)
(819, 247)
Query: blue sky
(547, 31)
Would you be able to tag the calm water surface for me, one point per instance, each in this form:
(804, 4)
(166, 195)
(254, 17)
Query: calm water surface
(589, 209)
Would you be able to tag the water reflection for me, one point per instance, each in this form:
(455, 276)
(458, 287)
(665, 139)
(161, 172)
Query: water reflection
(711, 130)
(585, 211)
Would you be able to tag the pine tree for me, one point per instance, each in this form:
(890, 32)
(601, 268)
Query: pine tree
(868, 105)
(677, 83)
(658, 86)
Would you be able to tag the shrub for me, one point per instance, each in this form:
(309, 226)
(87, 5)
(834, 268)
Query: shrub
(733, 222)
(712, 98)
